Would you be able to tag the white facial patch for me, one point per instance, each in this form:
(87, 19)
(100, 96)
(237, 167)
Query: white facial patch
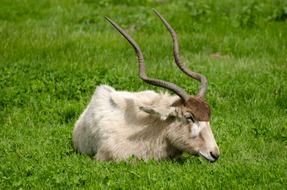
(197, 127)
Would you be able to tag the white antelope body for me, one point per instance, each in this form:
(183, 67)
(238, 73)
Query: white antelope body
(147, 125)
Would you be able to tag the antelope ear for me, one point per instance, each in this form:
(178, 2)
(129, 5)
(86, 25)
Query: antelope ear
(163, 114)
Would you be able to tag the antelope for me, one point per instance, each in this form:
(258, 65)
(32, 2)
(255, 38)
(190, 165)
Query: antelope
(147, 125)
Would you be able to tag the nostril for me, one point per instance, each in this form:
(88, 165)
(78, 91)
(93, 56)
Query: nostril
(214, 155)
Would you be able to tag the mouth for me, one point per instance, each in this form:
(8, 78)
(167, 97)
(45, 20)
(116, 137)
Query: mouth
(208, 157)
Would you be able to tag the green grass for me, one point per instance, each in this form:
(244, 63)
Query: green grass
(54, 53)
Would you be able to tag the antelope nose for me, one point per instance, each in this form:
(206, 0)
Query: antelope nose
(214, 154)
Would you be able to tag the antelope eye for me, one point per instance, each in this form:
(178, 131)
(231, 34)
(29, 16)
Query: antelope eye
(190, 118)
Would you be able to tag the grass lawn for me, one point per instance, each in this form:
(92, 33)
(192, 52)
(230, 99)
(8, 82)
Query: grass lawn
(53, 54)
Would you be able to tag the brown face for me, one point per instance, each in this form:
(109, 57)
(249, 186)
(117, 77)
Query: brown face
(199, 108)
(192, 132)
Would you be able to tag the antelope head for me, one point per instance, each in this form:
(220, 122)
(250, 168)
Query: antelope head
(190, 129)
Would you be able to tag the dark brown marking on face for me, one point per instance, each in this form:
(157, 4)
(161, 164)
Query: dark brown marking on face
(177, 103)
(199, 108)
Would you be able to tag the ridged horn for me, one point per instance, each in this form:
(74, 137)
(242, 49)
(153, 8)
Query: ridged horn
(201, 78)
(155, 82)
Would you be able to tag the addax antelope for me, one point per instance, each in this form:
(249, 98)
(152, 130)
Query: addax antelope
(147, 125)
